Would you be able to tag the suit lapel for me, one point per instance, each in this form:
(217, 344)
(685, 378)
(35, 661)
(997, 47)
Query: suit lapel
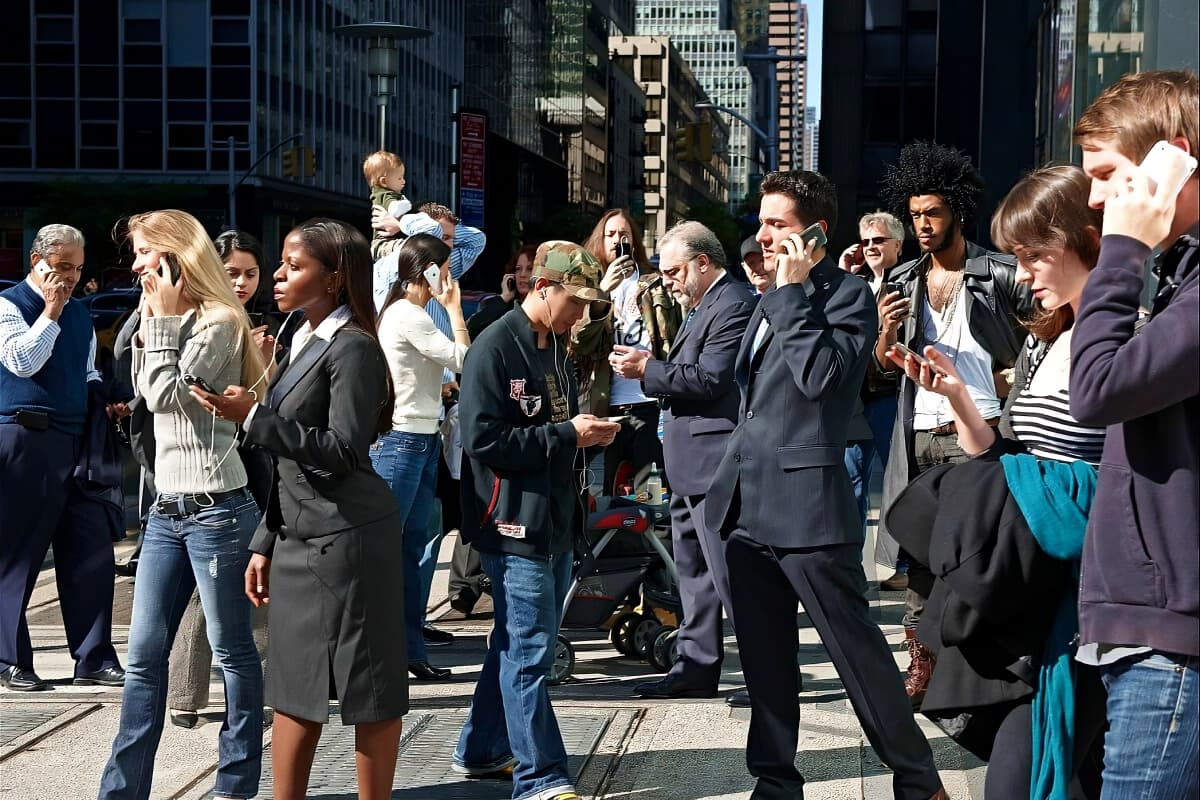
(705, 303)
(291, 373)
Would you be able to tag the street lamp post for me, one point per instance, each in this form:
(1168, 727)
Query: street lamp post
(383, 59)
(771, 139)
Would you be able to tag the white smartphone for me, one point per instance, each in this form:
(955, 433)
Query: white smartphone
(433, 274)
(1158, 162)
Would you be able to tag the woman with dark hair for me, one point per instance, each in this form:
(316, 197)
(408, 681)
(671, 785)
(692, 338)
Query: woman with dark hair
(1046, 223)
(325, 553)
(643, 315)
(513, 287)
(406, 457)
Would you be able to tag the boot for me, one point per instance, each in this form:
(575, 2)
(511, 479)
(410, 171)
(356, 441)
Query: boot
(920, 668)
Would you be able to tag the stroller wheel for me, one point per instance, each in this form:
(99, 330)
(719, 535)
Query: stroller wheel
(643, 636)
(663, 653)
(621, 633)
(564, 661)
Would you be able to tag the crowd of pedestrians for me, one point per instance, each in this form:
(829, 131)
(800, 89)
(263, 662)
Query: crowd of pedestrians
(1035, 408)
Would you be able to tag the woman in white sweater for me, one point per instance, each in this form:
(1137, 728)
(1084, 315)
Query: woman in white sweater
(407, 456)
(193, 330)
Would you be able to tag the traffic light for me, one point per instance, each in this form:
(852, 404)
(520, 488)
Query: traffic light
(289, 162)
(702, 142)
(310, 162)
(682, 143)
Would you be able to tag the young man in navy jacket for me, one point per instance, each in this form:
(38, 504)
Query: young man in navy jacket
(522, 434)
(1139, 593)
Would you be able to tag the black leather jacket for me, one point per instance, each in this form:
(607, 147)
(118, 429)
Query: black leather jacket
(995, 303)
(995, 306)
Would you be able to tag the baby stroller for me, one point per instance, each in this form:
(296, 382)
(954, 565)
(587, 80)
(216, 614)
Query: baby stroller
(622, 563)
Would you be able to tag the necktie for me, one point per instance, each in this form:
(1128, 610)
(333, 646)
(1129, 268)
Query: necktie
(688, 319)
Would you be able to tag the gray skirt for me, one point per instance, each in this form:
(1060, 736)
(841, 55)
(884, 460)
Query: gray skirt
(336, 616)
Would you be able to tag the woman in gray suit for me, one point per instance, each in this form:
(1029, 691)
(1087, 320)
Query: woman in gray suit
(326, 556)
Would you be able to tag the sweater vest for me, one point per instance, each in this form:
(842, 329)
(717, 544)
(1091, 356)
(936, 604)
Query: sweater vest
(59, 388)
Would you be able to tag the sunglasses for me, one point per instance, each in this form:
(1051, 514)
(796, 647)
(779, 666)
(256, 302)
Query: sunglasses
(875, 240)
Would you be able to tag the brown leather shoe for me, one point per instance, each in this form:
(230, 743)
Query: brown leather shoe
(897, 583)
(920, 668)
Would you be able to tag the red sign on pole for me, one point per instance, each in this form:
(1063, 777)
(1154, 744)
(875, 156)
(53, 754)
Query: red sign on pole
(471, 163)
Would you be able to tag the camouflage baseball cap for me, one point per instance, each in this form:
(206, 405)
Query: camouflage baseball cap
(569, 265)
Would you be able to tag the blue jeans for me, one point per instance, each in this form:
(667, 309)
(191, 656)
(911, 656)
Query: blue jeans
(1150, 750)
(510, 712)
(880, 413)
(408, 462)
(208, 551)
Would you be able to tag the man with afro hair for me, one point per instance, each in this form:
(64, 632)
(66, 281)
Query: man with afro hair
(960, 299)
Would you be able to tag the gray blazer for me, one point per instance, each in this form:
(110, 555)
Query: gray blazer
(783, 478)
(320, 421)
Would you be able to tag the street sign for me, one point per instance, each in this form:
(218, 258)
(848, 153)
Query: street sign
(472, 167)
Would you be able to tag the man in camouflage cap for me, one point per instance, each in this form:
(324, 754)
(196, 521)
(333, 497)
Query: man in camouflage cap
(522, 435)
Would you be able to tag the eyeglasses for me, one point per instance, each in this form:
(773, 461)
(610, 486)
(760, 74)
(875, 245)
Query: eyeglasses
(672, 270)
(875, 240)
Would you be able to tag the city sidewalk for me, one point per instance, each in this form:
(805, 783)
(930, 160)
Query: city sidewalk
(53, 745)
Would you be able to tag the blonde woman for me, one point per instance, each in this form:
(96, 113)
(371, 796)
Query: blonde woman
(193, 330)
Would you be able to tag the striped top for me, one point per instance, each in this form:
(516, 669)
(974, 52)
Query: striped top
(1041, 414)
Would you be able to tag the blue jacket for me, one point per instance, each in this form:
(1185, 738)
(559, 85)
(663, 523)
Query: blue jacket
(1140, 578)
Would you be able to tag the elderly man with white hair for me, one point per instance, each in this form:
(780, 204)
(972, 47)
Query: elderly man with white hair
(47, 357)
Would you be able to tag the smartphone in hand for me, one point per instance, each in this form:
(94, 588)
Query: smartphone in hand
(257, 319)
(893, 287)
(814, 231)
(624, 248)
(167, 265)
(1158, 162)
(433, 275)
(198, 382)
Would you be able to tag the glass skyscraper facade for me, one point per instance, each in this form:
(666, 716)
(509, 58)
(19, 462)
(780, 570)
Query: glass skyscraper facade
(703, 31)
(151, 90)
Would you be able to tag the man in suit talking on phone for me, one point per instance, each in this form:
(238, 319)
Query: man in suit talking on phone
(695, 387)
(782, 500)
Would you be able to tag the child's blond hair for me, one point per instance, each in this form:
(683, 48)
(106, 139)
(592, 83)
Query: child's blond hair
(379, 164)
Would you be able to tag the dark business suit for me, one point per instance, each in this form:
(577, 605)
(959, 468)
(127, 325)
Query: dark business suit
(782, 499)
(331, 528)
(700, 401)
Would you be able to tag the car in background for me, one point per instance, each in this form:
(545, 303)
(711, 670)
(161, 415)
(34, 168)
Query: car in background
(472, 299)
(109, 310)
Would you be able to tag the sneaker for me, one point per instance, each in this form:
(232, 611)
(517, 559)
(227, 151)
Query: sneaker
(435, 638)
(501, 767)
(558, 793)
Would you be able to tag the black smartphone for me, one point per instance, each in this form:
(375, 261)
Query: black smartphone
(892, 287)
(624, 248)
(168, 265)
(257, 319)
(510, 282)
(196, 380)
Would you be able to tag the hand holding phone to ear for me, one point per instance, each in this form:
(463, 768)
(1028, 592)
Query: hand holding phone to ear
(163, 288)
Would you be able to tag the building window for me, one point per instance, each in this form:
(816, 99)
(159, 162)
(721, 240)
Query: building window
(55, 29)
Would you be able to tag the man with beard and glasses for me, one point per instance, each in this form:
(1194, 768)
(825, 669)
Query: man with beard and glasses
(964, 301)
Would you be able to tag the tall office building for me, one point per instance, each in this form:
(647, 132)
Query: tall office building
(672, 187)
(140, 97)
(812, 139)
(574, 100)
(703, 32)
(787, 32)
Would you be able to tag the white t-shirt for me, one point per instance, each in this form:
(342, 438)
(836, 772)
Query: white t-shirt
(974, 365)
(628, 330)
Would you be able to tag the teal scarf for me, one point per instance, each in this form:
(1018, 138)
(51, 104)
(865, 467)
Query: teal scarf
(1055, 498)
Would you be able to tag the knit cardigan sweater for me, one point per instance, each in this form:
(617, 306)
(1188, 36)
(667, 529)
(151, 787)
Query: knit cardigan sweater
(194, 451)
